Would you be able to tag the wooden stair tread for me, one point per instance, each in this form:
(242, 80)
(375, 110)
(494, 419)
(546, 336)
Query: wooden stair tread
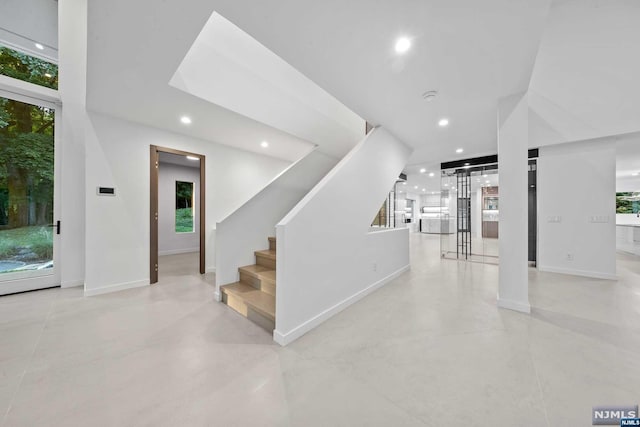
(254, 269)
(267, 254)
(268, 275)
(257, 300)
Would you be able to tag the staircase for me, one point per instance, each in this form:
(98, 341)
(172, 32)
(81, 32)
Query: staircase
(254, 296)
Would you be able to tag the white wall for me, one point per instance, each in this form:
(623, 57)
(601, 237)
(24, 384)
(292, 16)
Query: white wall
(327, 258)
(169, 241)
(627, 219)
(247, 229)
(117, 228)
(577, 182)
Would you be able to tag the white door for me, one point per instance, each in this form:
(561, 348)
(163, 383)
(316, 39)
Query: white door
(29, 212)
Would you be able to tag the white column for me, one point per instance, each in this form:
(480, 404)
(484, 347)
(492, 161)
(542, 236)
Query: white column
(72, 61)
(513, 136)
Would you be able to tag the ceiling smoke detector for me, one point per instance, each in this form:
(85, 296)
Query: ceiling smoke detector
(429, 95)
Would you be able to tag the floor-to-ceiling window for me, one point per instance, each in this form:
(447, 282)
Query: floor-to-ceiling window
(28, 193)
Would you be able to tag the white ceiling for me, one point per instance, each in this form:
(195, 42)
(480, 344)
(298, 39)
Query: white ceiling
(577, 58)
(471, 52)
(179, 160)
(134, 48)
(585, 82)
(228, 67)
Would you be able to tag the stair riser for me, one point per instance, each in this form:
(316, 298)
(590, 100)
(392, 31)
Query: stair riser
(261, 320)
(236, 303)
(266, 262)
(268, 286)
(250, 280)
(272, 245)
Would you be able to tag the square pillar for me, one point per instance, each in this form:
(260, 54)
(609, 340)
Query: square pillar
(513, 145)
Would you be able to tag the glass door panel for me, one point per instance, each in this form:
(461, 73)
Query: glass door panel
(470, 201)
(27, 237)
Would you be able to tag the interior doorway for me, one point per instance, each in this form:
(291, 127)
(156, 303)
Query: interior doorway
(180, 209)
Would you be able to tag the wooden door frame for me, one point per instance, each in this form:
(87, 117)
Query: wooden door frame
(154, 160)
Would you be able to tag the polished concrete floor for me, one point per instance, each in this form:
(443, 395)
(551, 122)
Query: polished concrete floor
(430, 348)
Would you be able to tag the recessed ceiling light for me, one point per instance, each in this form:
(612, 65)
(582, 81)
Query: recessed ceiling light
(39, 46)
(446, 185)
(487, 181)
(484, 176)
(185, 120)
(459, 150)
(402, 45)
(192, 158)
(423, 170)
(424, 189)
(634, 174)
(431, 174)
(404, 183)
(443, 122)
(415, 186)
(264, 144)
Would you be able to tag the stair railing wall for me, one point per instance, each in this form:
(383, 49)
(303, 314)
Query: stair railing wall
(246, 229)
(327, 256)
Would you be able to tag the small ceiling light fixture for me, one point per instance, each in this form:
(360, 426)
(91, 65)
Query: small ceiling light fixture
(402, 45)
(192, 158)
(429, 95)
(634, 174)
(431, 174)
(264, 144)
(39, 46)
(404, 183)
(459, 150)
(185, 120)
(446, 185)
(415, 186)
(443, 122)
(423, 170)
(424, 189)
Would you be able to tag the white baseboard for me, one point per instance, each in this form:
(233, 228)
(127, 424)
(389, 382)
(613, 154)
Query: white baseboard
(178, 251)
(521, 306)
(116, 288)
(210, 269)
(217, 295)
(582, 273)
(286, 338)
(72, 284)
